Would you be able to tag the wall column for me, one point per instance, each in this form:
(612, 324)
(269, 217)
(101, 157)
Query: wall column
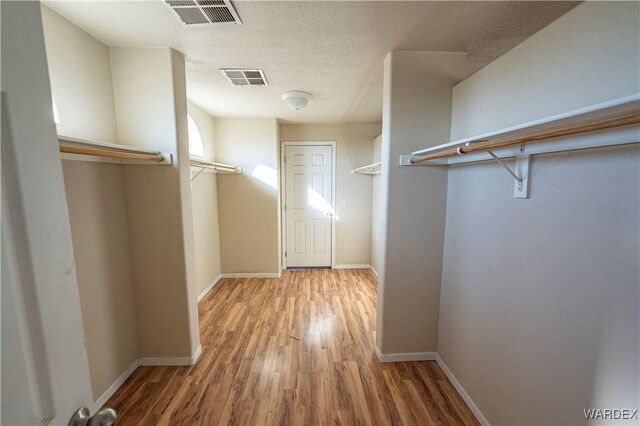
(417, 98)
(151, 112)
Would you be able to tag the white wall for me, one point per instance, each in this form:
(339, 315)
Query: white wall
(416, 112)
(80, 74)
(204, 196)
(539, 316)
(247, 206)
(97, 211)
(376, 207)
(587, 56)
(353, 149)
(539, 310)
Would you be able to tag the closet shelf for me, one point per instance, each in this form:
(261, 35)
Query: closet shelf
(370, 169)
(213, 167)
(87, 150)
(607, 115)
(579, 129)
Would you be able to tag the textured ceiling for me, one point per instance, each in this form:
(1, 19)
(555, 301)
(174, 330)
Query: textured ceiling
(333, 50)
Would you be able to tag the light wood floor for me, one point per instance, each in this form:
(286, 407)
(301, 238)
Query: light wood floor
(297, 350)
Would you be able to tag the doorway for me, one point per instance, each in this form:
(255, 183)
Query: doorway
(308, 207)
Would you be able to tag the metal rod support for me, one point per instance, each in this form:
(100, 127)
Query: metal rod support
(198, 174)
(507, 168)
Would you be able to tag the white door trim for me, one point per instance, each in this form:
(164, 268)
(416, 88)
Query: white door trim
(283, 213)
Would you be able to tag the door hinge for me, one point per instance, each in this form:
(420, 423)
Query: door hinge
(285, 207)
(285, 254)
(285, 158)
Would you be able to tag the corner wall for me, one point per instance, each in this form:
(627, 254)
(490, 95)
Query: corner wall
(80, 74)
(204, 196)
(248, 202)
(540, 312)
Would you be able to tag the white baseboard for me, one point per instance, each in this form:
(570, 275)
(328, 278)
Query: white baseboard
(463, 393)
(209, 288)
(97, 405)
(352, 266)
(252, 275)
(114, 387)
(405, 356)
(176, 361)
(374, 271)
(433, 356)
(196, 355)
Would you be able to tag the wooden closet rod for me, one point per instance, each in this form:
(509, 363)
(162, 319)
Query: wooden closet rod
(617, 120)
(215, 166)
(110, 153)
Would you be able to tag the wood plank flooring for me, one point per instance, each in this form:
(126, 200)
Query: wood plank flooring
(292, 351)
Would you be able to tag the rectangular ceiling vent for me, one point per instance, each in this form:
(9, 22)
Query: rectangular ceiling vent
(200, 13)
(242, 77)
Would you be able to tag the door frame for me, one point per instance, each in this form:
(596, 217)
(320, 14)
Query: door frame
(283, 179)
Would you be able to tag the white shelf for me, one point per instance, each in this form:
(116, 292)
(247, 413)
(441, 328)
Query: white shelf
(614, 137)
(591, 112)
(611, 123)
(370, 169)
(213, 167)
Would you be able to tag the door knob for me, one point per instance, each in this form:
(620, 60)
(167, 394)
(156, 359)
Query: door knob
(106, 417)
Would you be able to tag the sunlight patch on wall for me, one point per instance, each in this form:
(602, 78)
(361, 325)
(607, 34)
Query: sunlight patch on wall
(196, 146)
(267, 175)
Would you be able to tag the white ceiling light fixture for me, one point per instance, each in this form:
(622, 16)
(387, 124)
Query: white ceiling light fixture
(296, 100)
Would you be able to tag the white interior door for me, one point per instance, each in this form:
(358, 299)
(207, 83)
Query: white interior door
(308, 205)
(45, 372)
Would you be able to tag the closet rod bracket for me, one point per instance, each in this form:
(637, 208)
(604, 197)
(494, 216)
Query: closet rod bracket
(521, 173)
(523, 170)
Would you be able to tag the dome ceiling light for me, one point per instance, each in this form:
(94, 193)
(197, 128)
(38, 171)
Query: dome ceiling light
(296, 100)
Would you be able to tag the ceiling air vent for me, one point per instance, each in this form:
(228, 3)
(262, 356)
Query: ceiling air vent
(204, 12)
(242, 77)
